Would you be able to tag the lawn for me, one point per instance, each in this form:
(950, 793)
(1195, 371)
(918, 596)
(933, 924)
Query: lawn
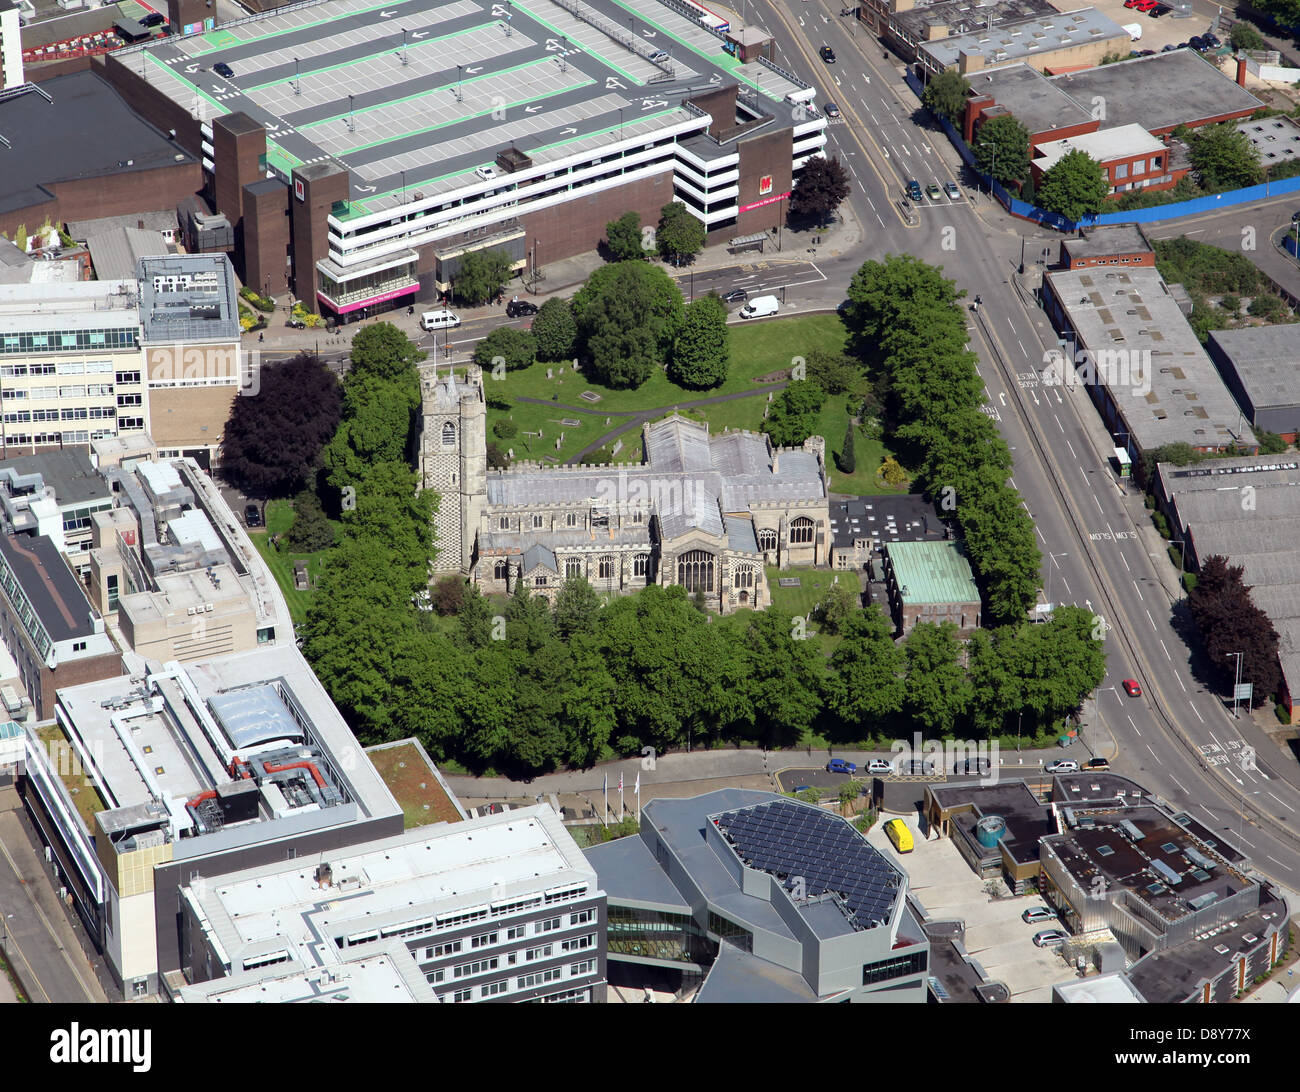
(279, 517)
(755, 351)
(812, 586)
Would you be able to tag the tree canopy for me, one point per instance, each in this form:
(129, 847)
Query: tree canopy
(701, 349)
(680, 235)
(513, 348)
(1002, 149)
(555, 330)
(945, 95)
(1074, 186)
(482, 274)
(627, 315)
(624, 237)
(1223, 158)
(822, 186)
(272, 443)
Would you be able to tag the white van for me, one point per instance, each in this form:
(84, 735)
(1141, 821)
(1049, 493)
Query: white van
(760, 307)
(439, 320)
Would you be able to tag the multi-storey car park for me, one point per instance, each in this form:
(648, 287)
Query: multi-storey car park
(361, 149)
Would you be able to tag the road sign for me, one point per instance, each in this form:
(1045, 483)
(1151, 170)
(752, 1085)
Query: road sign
(1244, 691)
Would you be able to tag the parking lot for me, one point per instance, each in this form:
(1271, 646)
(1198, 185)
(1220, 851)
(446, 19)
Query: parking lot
(1169, 29)
(995, 936)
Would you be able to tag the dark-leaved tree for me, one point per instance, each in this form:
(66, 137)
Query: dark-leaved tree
(483, 273)
(1229, 623)
(624, 237)
(555, 330)
(273, 440)
(822, 187)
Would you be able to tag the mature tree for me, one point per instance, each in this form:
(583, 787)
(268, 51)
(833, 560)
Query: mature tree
(1000, 540)
(781, 678)
(624, 237)
(428, 678)
(1246, 35)
(482, 275)
(837, 606)
(822, 187)
(555, 330)
(848, 457)
(273, 440)
(475, 618)
(673, 681)
(627, 315)
(389, 511)
(702, 349)
(1230, 623)
(1270, 443)
(1224, 158)
(311, 529)
(881, 292)
(680, 236)
(376, 427)
(576, 607)
(994, 693)
(835, 373)
(1074, 186)
(938, 691)
(498, 458)
(383, 352)
(1002, 149)
(865, 686)
(793, 413)
(945, 95)
(512, 348)
(448, 594)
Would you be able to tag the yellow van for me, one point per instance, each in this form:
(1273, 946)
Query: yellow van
(897, 832)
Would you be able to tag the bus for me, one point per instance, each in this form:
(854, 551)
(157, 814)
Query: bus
(897, 832)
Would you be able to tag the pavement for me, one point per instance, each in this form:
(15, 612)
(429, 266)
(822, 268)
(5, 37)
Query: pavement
(50, 951)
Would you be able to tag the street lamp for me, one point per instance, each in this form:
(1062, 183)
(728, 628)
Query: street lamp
(1241, 823)
(1236, 686)
(1052, 558)
(1182, 556)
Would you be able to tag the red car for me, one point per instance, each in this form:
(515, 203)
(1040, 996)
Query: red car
(1132, 689)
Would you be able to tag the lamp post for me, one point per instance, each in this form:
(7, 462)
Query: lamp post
(1236, 686)
(1052, 559)
(1241, 822)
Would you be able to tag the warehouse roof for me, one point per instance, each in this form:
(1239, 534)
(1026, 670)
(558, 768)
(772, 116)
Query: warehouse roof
(1264, 359)
(1030, 96)
(1037, 35)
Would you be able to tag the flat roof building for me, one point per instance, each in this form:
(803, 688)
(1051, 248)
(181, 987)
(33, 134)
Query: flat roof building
(1050, 41)
(201, 770)
(55, 494)
(48, 624)
(859, 525)
(499, 908)
(907, 25)
(930, 582)
(1130, 157)
(746, 896)
(1259, 365)
(1107, 244)
(74, 150)
(1142, 363)
(483, 133)
(1275, 140)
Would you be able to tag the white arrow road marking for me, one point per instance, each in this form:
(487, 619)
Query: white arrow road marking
(533, 109)
(566, 132)
(837, 82)
(365, 189)
(387, 14)
(192, 67)
(417, 35)
(1003, 395)
(648, 33)
(474, 71)
(612, 83)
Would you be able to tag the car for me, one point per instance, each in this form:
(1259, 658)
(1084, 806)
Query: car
(1062, 765)
(830, 110)
(223, 70)
(1145, 5)
(659, 56)
(736, 295)
(1169, 48)
(827, 54)
(916, 766)
(950, 188)
(914, 191)
(973, 765)
(519, 308)
(801, 788)
(1131, 688)
(487, 173)
(153, 19)
(296, 323)
(1212, 40)
(933, 192)
(1159, 10)
(1036, 915)
(1146, 52)
(1050, 938)
(252, 515)
(1097, 764)
(879, 765)
(841, 765)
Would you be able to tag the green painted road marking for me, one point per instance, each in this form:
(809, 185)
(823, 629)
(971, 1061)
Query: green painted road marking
(578, 46)
(278, 157)
(369, 57)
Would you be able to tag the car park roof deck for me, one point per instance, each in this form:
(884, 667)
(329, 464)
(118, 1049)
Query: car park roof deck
(439, 89)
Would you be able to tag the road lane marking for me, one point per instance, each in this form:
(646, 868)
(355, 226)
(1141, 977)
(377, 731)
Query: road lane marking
(1135, 727)
(1155, 756)
(1278, 799)
(1139, 591)
(1152, 621)
(1071, 447)
(1167, 656)
(1196, 711)
(1180, 683)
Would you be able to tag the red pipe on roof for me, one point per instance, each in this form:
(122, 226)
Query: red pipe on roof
(211, 794)
(320, 781)
(235, 771)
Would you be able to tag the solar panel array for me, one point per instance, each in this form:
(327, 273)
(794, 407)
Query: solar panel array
(791, 841)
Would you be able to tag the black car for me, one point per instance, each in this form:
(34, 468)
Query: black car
(153, 19)
(1159, 10)
(827, 54)
(519, 308)
(1211, 40)
(252, 515)
(736, 295)
(223, 70)
(1097, 764)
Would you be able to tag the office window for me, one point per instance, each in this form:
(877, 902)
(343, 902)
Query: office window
(578, 969)
(516, 931)
(128, 399)
(540, 952)
(465, 970)
(493, 988)
(434, 977)
(582, 917)
(482, 940)
(1121, 170)
(901, 967)
(578, 944)
(461, 996)
(548, 925)
(127, 377)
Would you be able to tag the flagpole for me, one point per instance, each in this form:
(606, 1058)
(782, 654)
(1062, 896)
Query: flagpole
(605, 789)
(621, 812)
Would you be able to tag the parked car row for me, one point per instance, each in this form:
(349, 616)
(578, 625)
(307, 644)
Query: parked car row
(932, 191)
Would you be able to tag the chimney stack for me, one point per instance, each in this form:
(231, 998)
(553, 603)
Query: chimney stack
(1241, 69)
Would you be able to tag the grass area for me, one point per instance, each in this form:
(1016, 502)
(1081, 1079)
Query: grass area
(756, 350)
(65, 762)
(413, 785)
(812, 587)
(279, 517)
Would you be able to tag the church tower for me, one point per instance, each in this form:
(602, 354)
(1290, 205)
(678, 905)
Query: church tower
(453, 463)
